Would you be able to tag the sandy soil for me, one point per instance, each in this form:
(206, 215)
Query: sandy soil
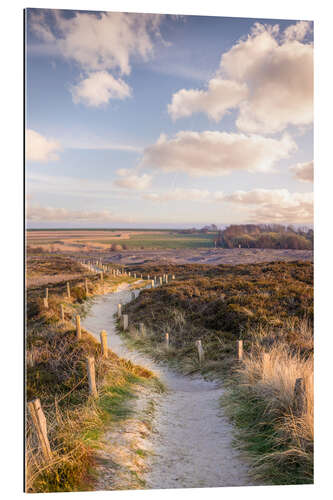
(192, 440)
(204, 256)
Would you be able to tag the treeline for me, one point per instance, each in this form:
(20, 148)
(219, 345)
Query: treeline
(265, 236)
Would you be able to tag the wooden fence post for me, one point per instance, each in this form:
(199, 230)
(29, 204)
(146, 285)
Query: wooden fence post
(148, 277)
(62, 313)
(201, 353)
(239, 350)
(104, 343)
(152, 283)
(300, 401)
(119, 310)
(161, 280)
(166, 278)
(78, 327)
(167, 341)
(142, 329)
(86, 287)
(46, 293)
(39, 422)
(68, 290)
(91, 376)
(125, 321)
(46, 303)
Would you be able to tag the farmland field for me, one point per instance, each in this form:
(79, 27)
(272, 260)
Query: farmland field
(79, 240)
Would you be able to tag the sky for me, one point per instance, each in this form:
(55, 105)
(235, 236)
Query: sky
(160, 121)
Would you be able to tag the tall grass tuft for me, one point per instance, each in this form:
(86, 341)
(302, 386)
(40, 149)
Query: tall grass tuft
(261, 402)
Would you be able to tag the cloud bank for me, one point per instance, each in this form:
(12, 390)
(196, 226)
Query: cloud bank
(268, 76)
(99, 44)
(275, 205)
(212, 153)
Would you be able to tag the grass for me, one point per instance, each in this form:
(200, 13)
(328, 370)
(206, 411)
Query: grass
(164, 241)
(56, 374)
(269, 306)
(260, 401)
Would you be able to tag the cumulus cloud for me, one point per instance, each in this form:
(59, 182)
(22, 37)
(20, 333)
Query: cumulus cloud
(131, 180)
(179, 194)
(220, 96)
(303, 171)
(99, 43)
(99, 88)
(40, 213)
(216, 153)
(270, 80)
(275, 205)
(39, 148)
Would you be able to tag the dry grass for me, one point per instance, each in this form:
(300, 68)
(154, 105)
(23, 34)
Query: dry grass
(280, 440)
(56, 374)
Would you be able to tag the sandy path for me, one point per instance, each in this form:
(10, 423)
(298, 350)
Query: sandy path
(192, 440)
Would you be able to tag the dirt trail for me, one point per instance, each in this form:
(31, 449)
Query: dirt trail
(192, 440)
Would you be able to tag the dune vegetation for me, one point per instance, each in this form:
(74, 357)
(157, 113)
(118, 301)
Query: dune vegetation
(268, 306)
(56, 374)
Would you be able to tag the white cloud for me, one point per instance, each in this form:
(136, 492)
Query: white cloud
(130, 180)
(40, 213)
(99, 88)
(216, 153)
(270, 79)
(99, 43)
(40, 149)
(220, 96)
(303, 171)
(275, 205)
(179, 194)
(297, 31)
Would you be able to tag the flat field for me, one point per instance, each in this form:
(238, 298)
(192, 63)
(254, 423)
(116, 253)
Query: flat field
(101, 240)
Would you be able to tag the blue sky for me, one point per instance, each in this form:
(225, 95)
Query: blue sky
(138, 120)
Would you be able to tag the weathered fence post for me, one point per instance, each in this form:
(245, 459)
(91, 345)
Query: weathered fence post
(39, 422)
(201, 353)
(68, 290)
(148, 277)
(62, 313)
(46, 303)
(91, 376)
(46, 293)
(78, 327)
(135, 275)
(167, 341)
(300, 401)
(161, 280)
(152, 283)
(239, 350)
(119, 310)
(166, 278)
(86, 287)
(142, 329)
(104, 343)
(125, 321)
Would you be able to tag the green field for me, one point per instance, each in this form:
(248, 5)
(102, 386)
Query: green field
(174, 240)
